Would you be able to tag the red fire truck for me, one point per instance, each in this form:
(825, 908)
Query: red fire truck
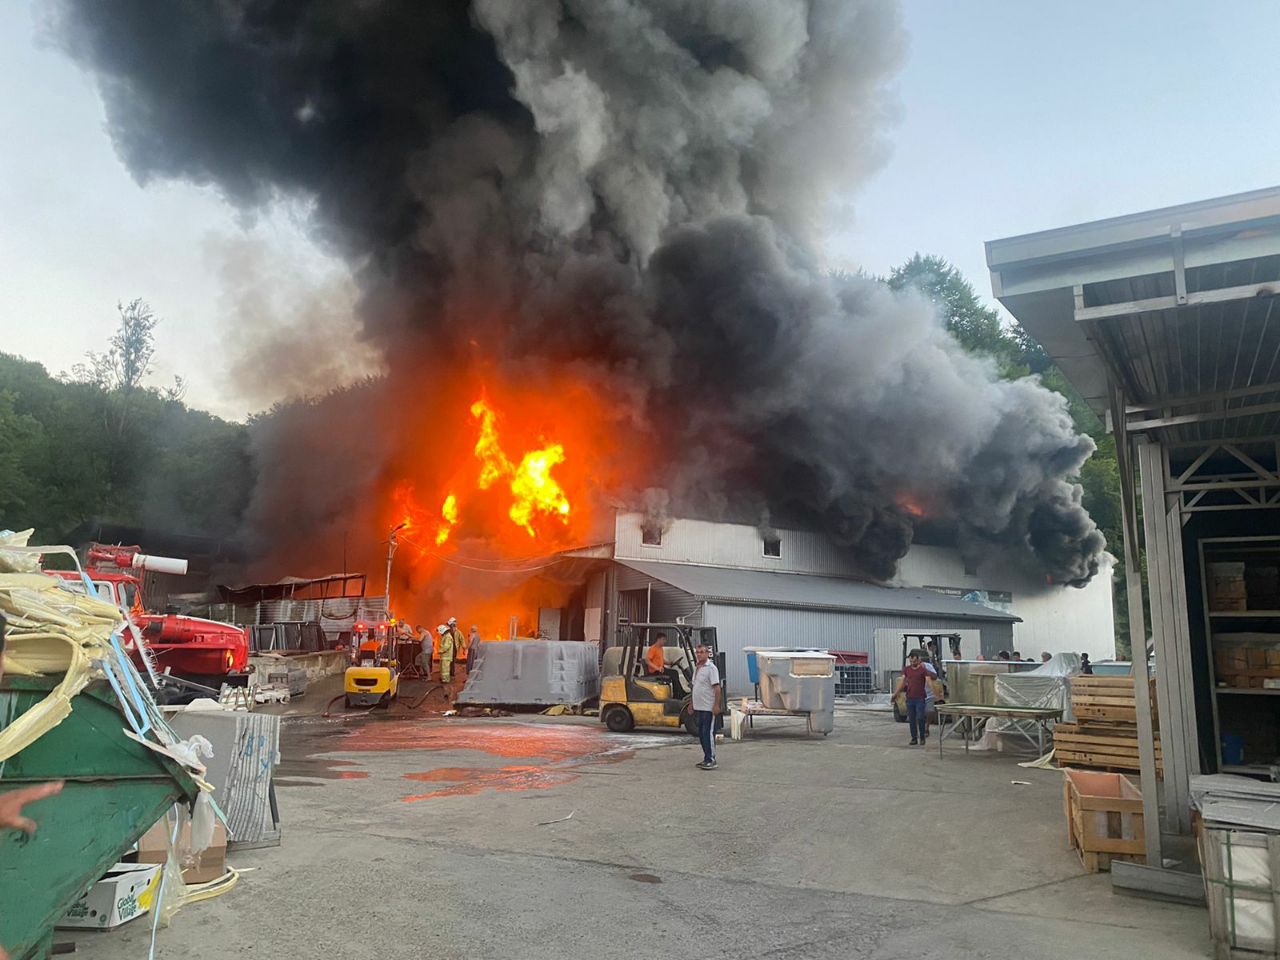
(202, 651)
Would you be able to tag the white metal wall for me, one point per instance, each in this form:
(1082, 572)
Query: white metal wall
(1055, 619)
(736, 545)
(1068, 619)
(740, 626)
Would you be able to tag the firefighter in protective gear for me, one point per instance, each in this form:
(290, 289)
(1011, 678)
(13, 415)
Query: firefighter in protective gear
(459, 641)
(446, 652)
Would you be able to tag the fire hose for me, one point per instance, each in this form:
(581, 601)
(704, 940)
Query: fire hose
(431, 688)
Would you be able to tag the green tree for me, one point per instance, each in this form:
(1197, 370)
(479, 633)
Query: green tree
(976, 326)
(22, 443)
(103, 445)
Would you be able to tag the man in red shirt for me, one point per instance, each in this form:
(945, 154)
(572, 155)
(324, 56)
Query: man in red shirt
(913, 680)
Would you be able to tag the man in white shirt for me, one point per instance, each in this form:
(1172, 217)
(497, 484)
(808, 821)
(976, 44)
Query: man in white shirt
(705, 704)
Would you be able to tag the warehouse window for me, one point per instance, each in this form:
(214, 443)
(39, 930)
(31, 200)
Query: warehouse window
(773, 546)
(651, 536)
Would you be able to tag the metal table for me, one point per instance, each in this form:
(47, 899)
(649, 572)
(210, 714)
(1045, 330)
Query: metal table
(968, 717)
(749, 711)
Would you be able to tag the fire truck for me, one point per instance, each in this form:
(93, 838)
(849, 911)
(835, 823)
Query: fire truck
(190, 648)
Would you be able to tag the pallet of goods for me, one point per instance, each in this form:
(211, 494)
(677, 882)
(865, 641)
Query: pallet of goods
(1104, 735)
(1245, 661)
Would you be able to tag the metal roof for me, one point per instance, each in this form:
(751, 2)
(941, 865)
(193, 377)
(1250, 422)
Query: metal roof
(1174, 307)
(799, 590)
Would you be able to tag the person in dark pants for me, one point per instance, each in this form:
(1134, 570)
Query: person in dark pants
(705, 704)
(912, 682)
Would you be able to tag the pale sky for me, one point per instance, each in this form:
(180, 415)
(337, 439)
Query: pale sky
(1015, 117)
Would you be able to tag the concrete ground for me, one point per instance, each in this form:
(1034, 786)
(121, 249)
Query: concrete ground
(538, 838)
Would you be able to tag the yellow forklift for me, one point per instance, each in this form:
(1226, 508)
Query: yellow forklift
(629, 698)
(373, 678)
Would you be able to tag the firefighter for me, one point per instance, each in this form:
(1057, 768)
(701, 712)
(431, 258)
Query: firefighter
(446, 652)
(459, 641)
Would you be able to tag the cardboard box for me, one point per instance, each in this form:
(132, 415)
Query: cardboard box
(153, 847)
(128, 890)
(1226, 583)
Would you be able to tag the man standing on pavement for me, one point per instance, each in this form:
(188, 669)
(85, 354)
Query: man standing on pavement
(705, 704)
(446, 652)
(913, 680)
(459, 642)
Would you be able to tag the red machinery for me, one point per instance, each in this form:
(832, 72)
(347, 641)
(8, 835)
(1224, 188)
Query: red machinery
(203, 651)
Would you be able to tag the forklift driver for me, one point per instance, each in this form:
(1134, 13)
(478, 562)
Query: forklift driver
(655, 664)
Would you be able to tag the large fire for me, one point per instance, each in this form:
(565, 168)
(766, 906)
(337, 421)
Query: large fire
(500, 486)
(534, 491)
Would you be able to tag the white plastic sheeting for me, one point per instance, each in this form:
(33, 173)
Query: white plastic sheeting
(1047, 686)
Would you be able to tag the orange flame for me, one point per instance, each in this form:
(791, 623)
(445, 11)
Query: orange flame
(493, 462)
(449, 513)
(533, 488)
(912, 505)
(527, 465)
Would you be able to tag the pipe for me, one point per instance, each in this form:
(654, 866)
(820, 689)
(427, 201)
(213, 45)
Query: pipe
(143, 561)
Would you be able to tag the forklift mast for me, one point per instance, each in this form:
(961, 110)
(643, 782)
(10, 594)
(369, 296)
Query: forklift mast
(633, 637)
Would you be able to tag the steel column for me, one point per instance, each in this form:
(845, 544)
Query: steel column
(1170, 636)
(1138, 638)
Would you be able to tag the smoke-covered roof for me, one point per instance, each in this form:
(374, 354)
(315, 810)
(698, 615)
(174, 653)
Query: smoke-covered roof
(804, 591)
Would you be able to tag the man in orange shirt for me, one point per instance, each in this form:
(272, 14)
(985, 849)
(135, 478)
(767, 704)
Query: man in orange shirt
(655, 664)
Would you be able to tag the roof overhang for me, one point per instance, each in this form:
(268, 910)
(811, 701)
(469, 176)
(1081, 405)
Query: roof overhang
(1173, 308)
(802, 591)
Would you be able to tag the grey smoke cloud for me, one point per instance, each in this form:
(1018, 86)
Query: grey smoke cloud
(635, 186)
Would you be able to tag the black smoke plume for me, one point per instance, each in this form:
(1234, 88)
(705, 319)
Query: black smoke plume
(635, 185)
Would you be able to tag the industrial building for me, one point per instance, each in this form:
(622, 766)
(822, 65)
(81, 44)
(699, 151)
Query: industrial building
(1164, 322)
(795, 587)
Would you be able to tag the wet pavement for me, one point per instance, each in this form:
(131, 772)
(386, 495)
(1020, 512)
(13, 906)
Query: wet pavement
(410, 836)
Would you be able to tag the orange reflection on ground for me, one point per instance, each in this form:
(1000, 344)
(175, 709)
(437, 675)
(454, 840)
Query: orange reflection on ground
(505, 740)
(465, 781)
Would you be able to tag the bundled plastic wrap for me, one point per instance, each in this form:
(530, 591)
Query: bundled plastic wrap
(1046, 687)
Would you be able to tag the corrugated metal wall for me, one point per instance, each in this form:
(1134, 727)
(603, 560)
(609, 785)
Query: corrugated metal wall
(738, 627)
(730, 545)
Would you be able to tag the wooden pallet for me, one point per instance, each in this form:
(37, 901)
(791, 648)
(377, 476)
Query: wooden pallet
(1113, 763)
(1100, 746)
(1106, 699)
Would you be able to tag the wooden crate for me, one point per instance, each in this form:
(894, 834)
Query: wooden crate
(1243, 891)
(1108, 699)
(1104, 818)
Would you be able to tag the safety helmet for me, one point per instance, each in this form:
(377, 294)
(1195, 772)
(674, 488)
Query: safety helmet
(442, 629)
(453, 621)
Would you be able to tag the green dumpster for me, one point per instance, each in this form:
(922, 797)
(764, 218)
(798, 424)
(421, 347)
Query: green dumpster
(115, 790)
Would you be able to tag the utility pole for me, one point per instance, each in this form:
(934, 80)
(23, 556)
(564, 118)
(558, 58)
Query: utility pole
(391, 552)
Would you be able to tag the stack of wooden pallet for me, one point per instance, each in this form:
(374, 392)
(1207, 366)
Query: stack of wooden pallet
(1105, 734)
